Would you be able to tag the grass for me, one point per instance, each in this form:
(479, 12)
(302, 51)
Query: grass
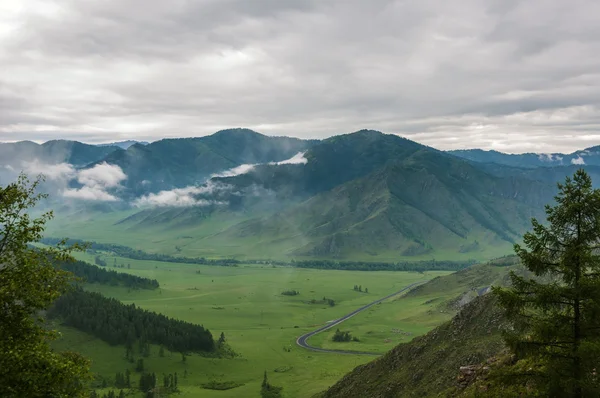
(205, 238)
(259, 323)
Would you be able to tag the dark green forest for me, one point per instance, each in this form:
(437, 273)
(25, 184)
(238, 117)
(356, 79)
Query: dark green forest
(92, 274)
(117, 323)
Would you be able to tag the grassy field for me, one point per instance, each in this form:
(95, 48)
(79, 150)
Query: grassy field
(259, 323)
(205, 238)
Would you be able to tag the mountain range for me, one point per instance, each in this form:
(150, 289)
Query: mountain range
(362, 195)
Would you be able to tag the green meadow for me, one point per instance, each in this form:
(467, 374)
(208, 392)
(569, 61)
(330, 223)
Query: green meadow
(208, 237)
(260, 324)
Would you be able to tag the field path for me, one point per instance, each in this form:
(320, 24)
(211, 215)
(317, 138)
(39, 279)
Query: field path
(302, 341)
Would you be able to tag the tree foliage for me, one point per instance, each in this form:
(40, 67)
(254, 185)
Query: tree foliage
(556, 317)
(117, 323)
(93, 274)
(29, 283)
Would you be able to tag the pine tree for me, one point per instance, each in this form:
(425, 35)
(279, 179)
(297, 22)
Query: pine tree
(556, 317)
(139, 367)
(221, 340)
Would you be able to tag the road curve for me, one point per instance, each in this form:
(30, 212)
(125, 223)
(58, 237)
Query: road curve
(302, 341)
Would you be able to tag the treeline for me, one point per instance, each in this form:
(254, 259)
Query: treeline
(128, 252)
(420, 266)
(93, 274)
(117, 323)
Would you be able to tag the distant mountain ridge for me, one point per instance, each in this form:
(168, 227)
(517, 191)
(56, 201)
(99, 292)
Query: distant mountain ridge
(588, 156)
(124, 144)
(53, 152)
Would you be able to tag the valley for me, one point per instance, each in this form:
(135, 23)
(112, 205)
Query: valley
(261, 324)
(303, 258)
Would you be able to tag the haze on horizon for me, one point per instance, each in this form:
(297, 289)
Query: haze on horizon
(506, 75)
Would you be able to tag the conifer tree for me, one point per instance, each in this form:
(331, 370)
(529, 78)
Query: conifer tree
(556, 316)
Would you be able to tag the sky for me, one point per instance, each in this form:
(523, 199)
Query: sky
(513, 76)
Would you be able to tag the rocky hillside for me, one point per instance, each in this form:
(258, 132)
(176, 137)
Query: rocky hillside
(431, 364)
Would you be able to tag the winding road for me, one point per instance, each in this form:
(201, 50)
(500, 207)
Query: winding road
(302, 341)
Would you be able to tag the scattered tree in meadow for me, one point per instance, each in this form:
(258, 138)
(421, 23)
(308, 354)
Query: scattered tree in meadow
(556, 317)
(341, 337)
(29, 283)
(268, 390)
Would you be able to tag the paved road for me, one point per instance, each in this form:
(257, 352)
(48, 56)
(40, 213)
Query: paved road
(302, 341)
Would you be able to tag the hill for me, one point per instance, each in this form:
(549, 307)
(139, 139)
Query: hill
(429, 365)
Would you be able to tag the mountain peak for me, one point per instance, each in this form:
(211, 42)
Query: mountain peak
(237, 132)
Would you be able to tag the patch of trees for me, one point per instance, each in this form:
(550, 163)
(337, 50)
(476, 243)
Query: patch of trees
(110, 394)
(99, 261)
(123, 380)
(358, 288)
(342, 337)
(290, 293)
(92, 274)
(420, 266)
(117, 323)
(267, 390)
(128, 252)
(330, 302)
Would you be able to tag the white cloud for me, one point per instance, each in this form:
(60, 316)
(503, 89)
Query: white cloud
(296, 159)
(578, 160)
(89, 193)
(236, 171)
(96, 182)
(182, 197)
(102, 175)
(54, 172)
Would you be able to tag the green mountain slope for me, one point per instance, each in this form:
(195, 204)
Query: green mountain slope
(180, 162)
(423, 204)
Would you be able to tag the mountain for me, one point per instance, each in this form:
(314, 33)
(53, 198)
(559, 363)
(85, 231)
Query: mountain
(399, 199)
(588, 156)
(52, 152)
(372, 196)
(124, 144)
(181, 162)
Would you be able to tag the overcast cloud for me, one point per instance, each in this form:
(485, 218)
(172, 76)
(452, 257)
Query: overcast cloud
(498, 74)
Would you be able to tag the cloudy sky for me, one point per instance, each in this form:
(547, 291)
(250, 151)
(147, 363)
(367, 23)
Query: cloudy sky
(497, 74)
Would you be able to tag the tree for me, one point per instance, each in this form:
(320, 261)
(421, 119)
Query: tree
(221, 340)
(139, 367)
(556, 317)
(268, 390)
(29, 284)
